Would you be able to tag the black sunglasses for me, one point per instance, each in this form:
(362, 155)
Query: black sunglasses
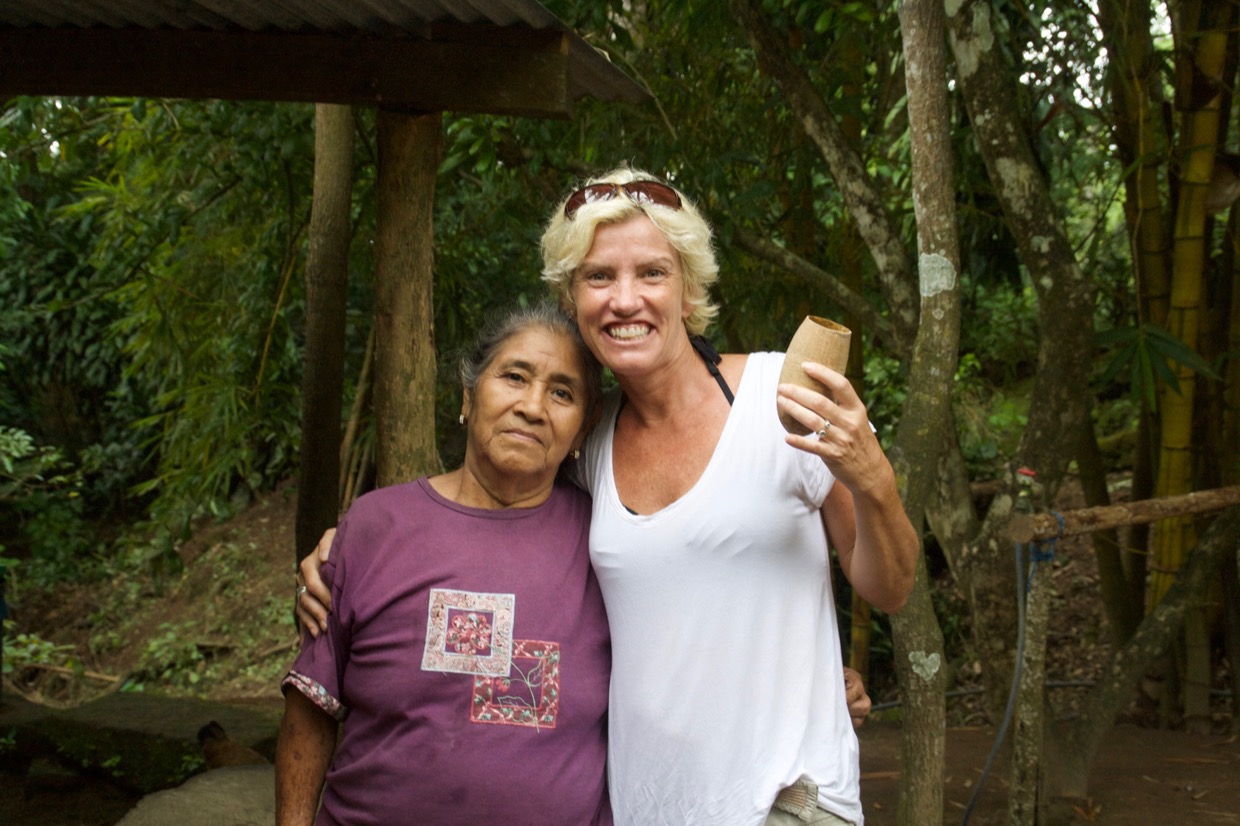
(639, 192)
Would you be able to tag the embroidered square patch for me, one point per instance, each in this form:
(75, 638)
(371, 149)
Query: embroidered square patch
(529, 696)
(469, 633)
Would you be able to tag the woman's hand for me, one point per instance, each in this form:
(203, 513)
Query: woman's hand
(839, 429)
(858, 701)
(315, 602)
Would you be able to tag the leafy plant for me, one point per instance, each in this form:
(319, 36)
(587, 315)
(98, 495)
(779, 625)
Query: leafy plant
(61, 542)
(171, 658)
(1147, 354)
(24, 648)
(26, 467)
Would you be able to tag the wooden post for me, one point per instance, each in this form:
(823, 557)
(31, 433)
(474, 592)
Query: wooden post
(327, 275)
(404, 389)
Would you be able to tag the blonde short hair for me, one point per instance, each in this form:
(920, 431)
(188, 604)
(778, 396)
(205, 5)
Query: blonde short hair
(567, 241)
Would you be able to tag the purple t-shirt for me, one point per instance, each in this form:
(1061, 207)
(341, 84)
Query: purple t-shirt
(468, 656)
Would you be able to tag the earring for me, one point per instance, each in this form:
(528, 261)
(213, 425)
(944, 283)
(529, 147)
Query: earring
(576, 454)
(461, 418)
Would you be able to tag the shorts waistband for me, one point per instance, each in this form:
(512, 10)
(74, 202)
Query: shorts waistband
(800, 799)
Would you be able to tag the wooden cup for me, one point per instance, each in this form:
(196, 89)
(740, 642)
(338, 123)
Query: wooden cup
(818, 340)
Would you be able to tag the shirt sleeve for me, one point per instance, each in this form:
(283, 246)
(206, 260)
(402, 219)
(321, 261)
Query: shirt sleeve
(317, 671)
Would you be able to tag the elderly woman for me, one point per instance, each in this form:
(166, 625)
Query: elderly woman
(467, 655)
(712, 529)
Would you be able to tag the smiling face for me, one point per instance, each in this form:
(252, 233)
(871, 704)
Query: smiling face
(628, 294)
(526, 412)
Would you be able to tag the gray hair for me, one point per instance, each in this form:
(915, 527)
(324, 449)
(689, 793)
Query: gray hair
(501, 327)
(567, 241)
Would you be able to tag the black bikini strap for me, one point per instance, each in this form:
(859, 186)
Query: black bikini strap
(712, 358)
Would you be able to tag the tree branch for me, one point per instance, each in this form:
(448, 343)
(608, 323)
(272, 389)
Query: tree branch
(774, 254)
(859, 194)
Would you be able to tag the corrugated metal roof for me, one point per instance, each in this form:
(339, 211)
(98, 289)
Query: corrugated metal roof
(152, 47)
(375, 16)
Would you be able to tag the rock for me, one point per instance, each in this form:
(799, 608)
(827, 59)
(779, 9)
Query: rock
(233, 796)
(144, 742)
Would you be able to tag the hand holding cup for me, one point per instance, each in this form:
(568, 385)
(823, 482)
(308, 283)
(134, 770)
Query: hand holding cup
(818, 340)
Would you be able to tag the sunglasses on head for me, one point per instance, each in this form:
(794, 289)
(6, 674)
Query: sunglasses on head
(639, 192)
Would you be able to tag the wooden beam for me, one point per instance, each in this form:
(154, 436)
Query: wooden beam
(517, 74)
(1038, 526)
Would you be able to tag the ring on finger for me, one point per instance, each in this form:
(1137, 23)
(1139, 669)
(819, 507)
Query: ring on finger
(301, 589)
(822, 431)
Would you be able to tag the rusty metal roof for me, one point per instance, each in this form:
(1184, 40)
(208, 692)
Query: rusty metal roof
(503, 56)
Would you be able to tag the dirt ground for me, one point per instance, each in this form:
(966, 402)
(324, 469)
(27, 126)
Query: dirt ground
(233, 603)
(1142, 775)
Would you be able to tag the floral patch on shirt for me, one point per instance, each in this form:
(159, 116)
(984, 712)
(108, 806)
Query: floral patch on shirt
(528, 696)
(469, 633)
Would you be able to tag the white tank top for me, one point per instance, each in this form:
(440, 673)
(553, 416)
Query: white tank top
(727, 681)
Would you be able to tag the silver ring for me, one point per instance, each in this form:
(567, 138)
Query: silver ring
(301, 589)
(822, 431)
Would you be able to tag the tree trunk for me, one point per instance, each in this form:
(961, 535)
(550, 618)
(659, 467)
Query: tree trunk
(933, 348)
(1065, 311)
(1231, 473)
(327, 275)
(1140, 138)
(1231, 383)
(1231, 628)
(1122, 614)
(1027, 734)
(1071, 752)
(918, 638)
(409, 150)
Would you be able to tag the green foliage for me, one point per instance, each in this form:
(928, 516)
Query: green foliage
(1147, 354)
(989, 420)
(147, 259)
(23, 649)
(1000, 330)
(26, 467)
(886, 387)
(39, 498)
(63, 379)
(60, 541)
(170, 658)
(204, 211)
(151, 252)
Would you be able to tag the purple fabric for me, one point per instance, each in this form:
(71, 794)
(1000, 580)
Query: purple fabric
(469, 657)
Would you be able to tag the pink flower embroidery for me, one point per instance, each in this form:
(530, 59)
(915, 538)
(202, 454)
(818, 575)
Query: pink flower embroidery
(470, 633)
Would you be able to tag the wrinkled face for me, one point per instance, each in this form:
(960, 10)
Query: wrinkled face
(629, 297)
(528, 409)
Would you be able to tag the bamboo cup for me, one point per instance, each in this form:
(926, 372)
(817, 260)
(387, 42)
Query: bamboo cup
(818, 340)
